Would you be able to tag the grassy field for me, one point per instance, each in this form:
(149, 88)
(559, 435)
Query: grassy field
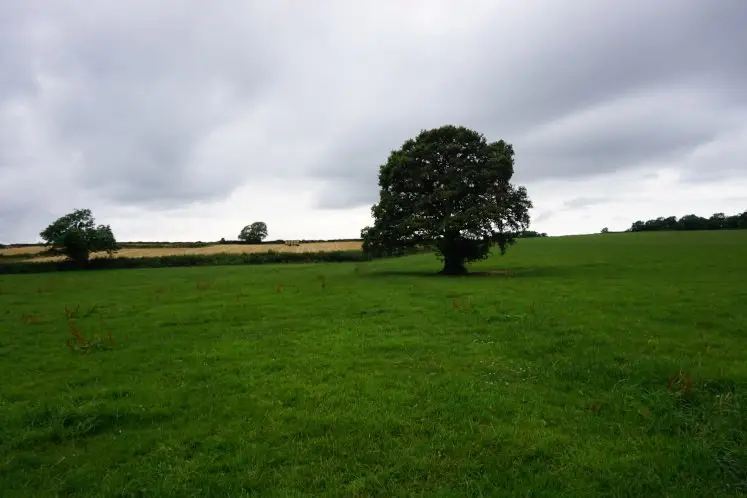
(556, 372)
(137, 252)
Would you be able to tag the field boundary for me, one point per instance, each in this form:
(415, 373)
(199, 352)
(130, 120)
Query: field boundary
(194, 244)
(216, 259)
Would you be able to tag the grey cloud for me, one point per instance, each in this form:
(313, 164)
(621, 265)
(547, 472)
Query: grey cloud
(351, 168)
(141, 101)
(613, 143)
(128, 91)
(598, 51)
(164, 104)
(574, 204)
(582, 202)
(675, 65)
(543, 216)
(16, 68)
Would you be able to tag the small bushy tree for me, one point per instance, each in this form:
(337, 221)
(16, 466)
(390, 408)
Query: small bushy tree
(448, 188)
(254, 233)
(77, 236)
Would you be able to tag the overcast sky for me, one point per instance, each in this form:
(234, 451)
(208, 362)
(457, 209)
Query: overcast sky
(186, 120)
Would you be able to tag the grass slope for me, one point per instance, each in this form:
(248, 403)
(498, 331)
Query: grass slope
(551, 378)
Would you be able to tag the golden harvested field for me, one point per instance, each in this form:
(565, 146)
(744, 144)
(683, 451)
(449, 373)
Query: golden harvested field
(21, 251)
(215, 249)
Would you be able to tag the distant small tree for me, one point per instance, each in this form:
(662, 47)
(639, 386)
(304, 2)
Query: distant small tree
(77, 236)
(605, 230)
(254, 233)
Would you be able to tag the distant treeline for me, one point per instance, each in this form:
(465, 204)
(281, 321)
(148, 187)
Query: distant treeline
(719, 221)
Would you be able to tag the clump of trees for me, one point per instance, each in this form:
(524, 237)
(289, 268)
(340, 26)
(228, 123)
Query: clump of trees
(254, 233)
(450, 189)
(529, 234)
(719, 221)
(76, 235)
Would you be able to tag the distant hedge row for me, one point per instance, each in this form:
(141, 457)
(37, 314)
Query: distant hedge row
(196, 244)
(190, 245)
(185, 260)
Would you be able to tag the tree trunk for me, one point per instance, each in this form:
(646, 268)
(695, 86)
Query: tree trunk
(453, 266)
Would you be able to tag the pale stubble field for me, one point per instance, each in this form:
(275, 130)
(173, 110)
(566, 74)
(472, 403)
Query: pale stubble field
(133, 252)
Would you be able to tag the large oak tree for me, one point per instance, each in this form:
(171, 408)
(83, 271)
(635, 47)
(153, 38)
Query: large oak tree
(450, 189)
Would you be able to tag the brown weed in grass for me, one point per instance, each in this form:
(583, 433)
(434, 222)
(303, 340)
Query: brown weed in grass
(681, 385)
(464, 305)
(322, 281)
(596, 407)
(29, 319)
(79, 343)
(71, 313)
(159, 292)
(203, 285)
(93, 309)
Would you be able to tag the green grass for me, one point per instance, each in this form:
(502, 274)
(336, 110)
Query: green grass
(549, 378)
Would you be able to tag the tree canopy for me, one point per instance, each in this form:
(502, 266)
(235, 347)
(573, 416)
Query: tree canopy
(254, 233)
(76, 235)
(450, 189)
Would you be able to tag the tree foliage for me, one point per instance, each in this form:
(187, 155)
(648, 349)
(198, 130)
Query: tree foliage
(76, 235)
(254, 233)
(529, 234)
(718, 221)
(450, 189)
